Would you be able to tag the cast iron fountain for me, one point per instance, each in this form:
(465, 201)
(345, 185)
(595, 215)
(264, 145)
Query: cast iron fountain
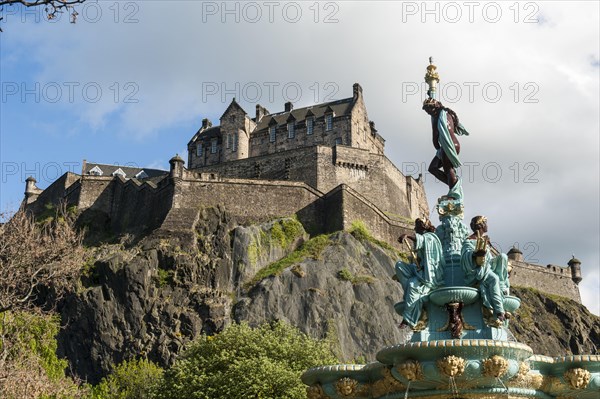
(458, 305)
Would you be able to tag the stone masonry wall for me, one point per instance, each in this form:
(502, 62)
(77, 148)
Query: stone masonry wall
(139, 207)
(551, 279)
(254, 201)
(325, 168)
(260, 143)
(346, 206)
(55, 193)
(295, 165)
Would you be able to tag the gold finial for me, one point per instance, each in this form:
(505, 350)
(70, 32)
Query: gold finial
(432, 78)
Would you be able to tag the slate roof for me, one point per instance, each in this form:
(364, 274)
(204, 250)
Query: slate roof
(214, 131)
(130, 172)
(339, 108)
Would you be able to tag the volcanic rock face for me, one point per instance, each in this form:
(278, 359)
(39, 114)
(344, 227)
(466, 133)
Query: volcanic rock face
(150, 298)
(553, 325)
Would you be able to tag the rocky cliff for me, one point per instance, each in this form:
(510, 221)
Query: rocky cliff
(148, 296)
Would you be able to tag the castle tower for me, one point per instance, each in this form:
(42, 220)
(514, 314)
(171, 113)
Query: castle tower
(176, 167)
(236, 127)
(31, 190)
(575, 266)
(515, 254)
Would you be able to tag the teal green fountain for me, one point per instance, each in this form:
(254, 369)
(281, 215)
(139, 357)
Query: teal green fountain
(457, 304)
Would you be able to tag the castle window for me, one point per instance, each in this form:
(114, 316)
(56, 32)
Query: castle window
(199, 150)
(272, 133)
(338, 141)
(96, 171)
(235, 143)
(328, 122)
(213, 146)
(119, 172)
(291, 130)
(310, 125)
(228, 141)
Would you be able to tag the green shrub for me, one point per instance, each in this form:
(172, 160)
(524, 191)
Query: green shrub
(347, 275)
(311, 248)
(360, 232)
(136, 379)
(242, 362)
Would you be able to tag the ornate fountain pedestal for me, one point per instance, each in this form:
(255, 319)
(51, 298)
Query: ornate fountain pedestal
(459, 348)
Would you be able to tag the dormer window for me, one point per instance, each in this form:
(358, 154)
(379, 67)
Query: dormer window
(234, 143)
(213, 146)
(310, 125)
(119, 172)
(96, 171)
(199, 150)
(272, 131)
(291, 130)
(228, 141)
(328, 122)
(141, 175)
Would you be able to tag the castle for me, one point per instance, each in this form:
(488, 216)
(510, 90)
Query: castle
(324, 163)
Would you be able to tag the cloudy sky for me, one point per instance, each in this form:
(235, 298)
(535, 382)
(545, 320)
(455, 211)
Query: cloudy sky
(130, 82)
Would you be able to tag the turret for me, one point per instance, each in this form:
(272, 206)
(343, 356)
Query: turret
(31, 190)
(575, 266)
(176, 167)
(515, 254)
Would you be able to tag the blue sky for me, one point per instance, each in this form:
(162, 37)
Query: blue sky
(130, 82)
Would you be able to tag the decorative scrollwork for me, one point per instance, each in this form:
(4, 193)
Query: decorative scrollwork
(495, 366)
(577, 378)
(451, 366)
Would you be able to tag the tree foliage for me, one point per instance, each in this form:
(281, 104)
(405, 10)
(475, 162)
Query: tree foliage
(135, 379)
(29, 367)
(38, 261)
(242, 362)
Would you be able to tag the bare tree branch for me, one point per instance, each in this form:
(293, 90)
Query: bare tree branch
(35, 255)
(51, 7)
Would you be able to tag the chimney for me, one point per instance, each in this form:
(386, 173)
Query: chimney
(289, 106)
(356, 91)
(206, 123)
(372, 126)
(260, 112)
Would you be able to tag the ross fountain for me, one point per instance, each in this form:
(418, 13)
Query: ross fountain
(457, 304)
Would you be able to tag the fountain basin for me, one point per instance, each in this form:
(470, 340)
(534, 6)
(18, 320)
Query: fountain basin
(467, 348)
(442, 296)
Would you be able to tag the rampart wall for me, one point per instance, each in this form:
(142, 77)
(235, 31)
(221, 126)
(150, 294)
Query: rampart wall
(175, 202)
(551, 279)
(325, 168)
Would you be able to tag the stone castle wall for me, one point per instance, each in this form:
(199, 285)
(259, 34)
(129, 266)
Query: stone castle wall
(175, 202)
(325, 168)
(550, 279)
